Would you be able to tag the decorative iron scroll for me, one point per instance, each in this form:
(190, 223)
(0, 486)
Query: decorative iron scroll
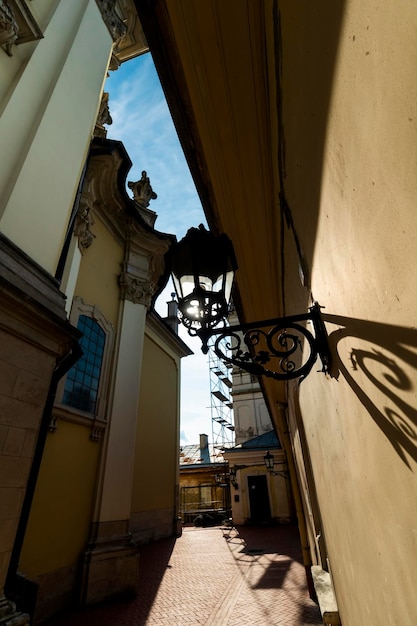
(282, 348)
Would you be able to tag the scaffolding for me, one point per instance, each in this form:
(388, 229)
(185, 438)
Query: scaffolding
(221, 403)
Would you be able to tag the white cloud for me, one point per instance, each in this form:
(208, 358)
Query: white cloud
(141, 120)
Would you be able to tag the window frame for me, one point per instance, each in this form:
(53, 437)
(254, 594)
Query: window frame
(81, 389)
(79, 308)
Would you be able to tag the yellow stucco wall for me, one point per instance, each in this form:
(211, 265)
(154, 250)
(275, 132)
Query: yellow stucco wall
(100, 267)
(354, 212)
(48, 113)
(60, 517)
(157, 430)
(199, 477)
(65, 494)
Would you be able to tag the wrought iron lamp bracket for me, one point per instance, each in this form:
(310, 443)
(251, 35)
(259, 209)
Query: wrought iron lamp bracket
(283, 473)
(282, 349)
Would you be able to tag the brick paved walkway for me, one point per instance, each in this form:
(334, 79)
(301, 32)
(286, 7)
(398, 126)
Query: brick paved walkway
(215, 577)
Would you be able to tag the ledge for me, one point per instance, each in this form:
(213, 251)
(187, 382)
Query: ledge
(325, 596)
(24, 277)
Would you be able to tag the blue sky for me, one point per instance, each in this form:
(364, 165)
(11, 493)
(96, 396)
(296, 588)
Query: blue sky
(141, 120)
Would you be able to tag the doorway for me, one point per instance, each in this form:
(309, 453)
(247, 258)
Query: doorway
(260, 510)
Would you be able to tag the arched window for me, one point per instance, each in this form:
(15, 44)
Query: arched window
(82, 382)
(84, 390)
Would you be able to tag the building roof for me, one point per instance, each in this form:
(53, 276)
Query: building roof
(262, 442)
(194, 455)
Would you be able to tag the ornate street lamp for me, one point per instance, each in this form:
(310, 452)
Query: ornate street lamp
(232, 477)
(269, 463)
(203, 266)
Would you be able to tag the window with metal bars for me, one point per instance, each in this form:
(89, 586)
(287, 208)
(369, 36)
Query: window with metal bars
(82, 383)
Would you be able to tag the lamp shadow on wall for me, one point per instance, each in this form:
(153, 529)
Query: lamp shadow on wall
(381, 369)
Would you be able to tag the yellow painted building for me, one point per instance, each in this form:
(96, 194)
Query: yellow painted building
(81, 264)
(95, 499)
(299, 122)
(259, 495)
(155, 506)
(204, 484)
(48, 109)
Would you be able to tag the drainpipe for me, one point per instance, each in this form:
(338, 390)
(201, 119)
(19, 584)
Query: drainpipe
(298, 502)
(12, 587)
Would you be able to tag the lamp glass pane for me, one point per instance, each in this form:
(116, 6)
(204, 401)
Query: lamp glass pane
(177, 285)
(218, 283)
(228, 285)
(187, 285)
(206, 283)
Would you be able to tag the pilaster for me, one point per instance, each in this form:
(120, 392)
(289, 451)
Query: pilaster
(111, 565)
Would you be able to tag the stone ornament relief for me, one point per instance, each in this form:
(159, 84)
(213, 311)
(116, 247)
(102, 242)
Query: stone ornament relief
(17, 25)
(97, 431)
(9, 28)
(117, 28)
(53, 423)
(103, 117)
(83, 222)
(137, 290)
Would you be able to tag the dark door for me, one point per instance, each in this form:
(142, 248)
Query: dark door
(260, 511)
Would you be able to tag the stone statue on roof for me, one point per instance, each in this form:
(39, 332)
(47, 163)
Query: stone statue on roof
(142, 191)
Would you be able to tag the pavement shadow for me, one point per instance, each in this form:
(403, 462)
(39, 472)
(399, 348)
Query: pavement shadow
(270, 558)
(283, 539)
(154, 560)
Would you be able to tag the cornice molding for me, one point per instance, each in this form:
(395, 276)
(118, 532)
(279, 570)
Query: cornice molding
(104, 193)
(63, 413)
(134, 41)
(157, 328)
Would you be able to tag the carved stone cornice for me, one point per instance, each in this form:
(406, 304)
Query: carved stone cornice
(108, 198)
(103, 117)
(17, 24)
(9, 28)
(116, 26)
(137, 290)
(144, 247)
(134, 42)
